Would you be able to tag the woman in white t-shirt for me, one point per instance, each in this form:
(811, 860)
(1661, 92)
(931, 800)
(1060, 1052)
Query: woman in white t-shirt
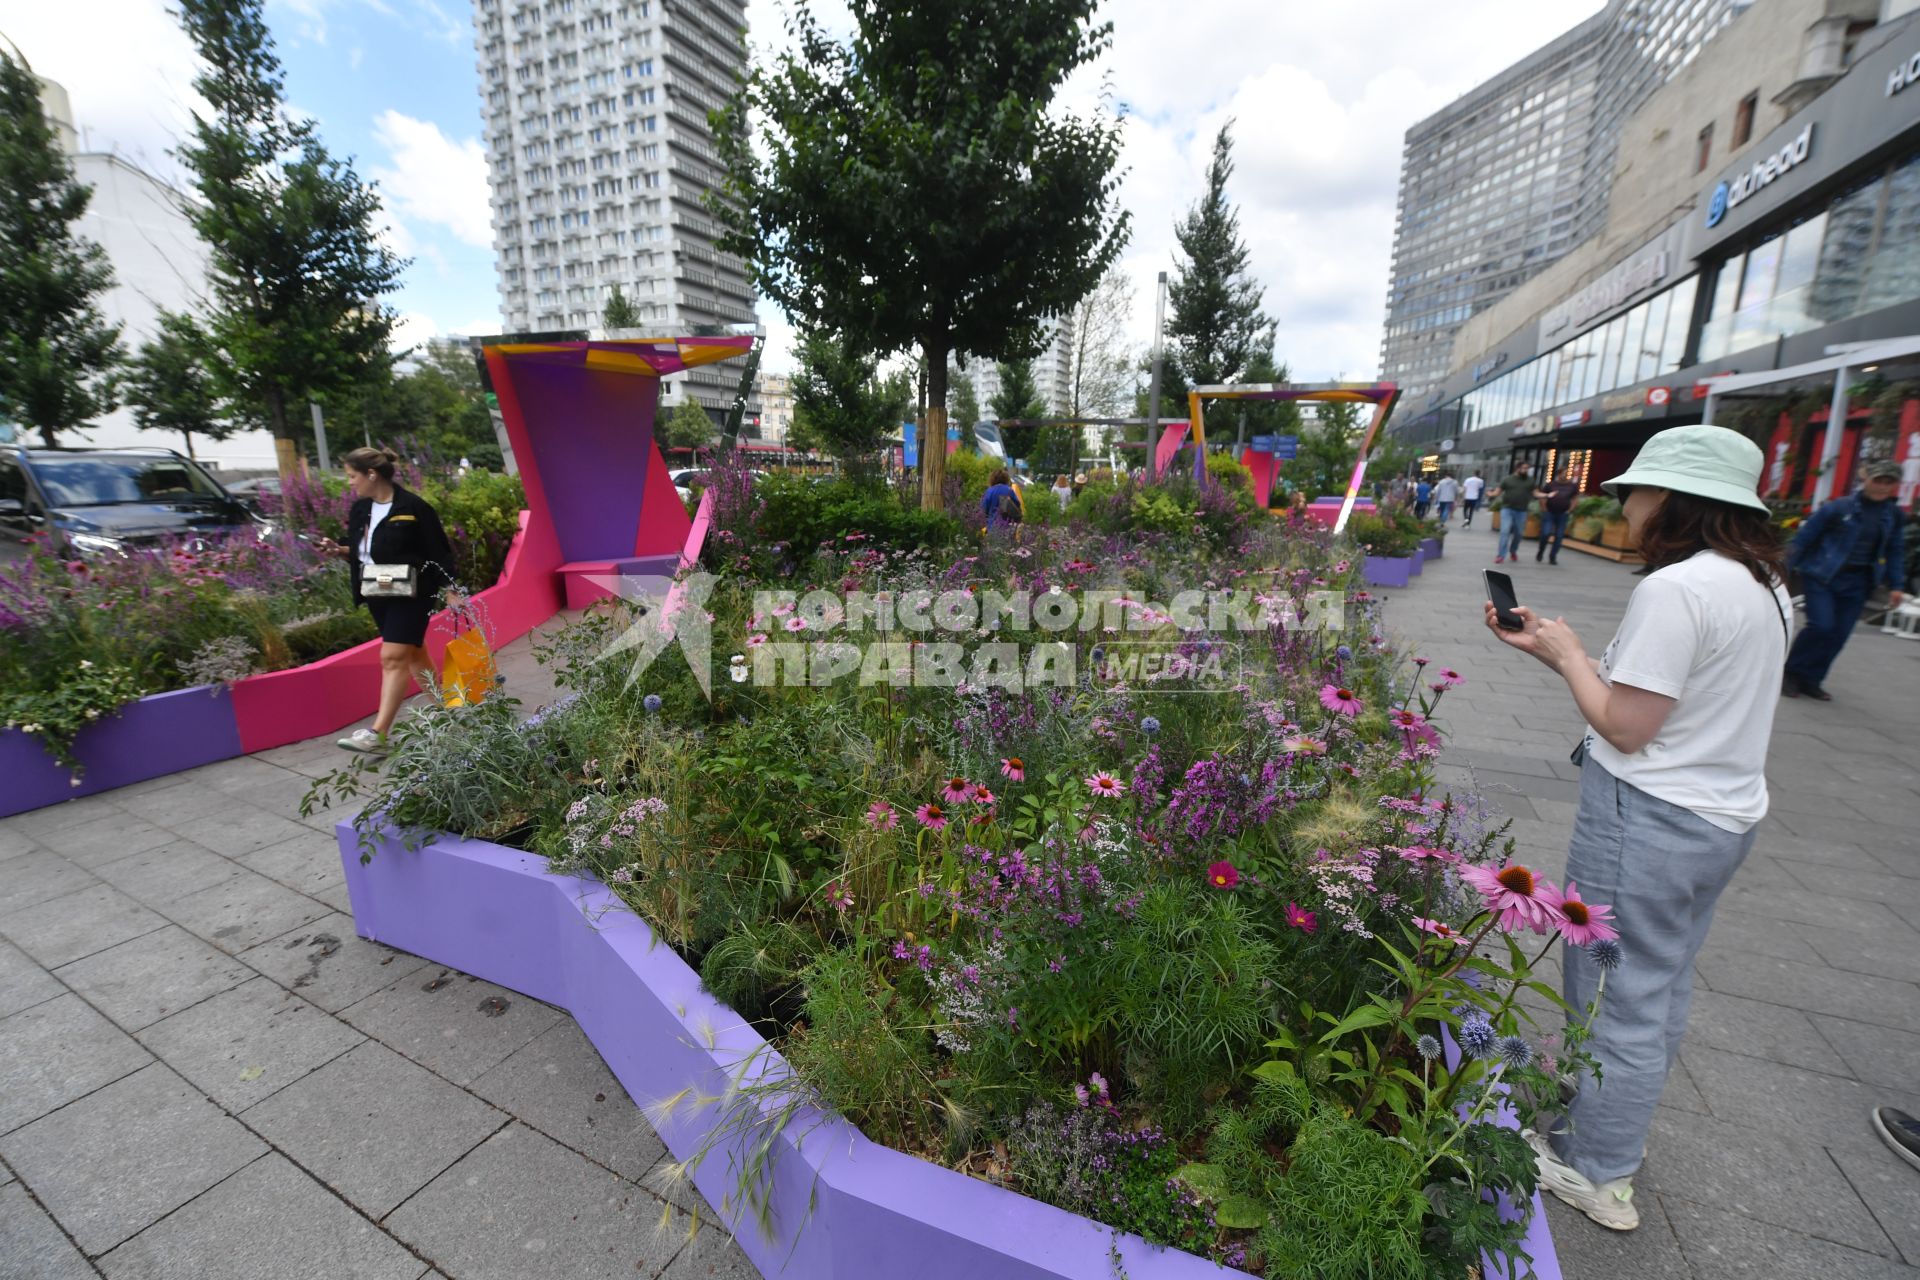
(1679, 712)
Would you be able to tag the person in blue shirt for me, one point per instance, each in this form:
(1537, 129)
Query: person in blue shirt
(1422, 498)
(1843, 551)
(1001, 502)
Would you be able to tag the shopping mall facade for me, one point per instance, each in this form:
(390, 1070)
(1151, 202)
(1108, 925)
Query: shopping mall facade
(1785, 290)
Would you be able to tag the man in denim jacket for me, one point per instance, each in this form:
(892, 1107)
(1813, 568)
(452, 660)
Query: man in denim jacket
(1843, 551)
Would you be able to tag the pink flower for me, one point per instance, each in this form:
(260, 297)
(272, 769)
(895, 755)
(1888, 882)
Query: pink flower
(1420, 662)
(796, 623)
(980, 795)
(1427, 853)
(1518, 898)
(880, 814)
(782, 609)
(838, 896)
(1014, 769)
(1223, 875)
(1440, 929)
(1583, 922)
(1305, 921)
(958, 791)
(1449, 677)
(755, 640)
(1342, 701)
(1105, 785)
(931, 816)
(1304, 746)
(1415, 727)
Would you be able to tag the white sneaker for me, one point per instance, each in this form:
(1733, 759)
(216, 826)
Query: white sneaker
(365, 741)
(1608, 1203)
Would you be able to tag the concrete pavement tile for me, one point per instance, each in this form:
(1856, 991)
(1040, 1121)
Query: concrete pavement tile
(1814, 855)
(1891, 1190)
(1737, 931)
(243, 911)
(1719, 1244)
(712, 1254)
(328, 964)
(236, 776)
(523, 1205)
(1891, 953)
(338, 898)
(1736, 1025)
(1868, 835)
(147, 978)
(1742, 1168)
(111, 836)
(170, 806)
(450, 1023)
(38, 823)
(14, 842)
(1877, 1055)
(168, 872)
(1807, 907)
(1588, 1251)
(242, 1045)
(1812, 1107)
(239, 828)
(1759, 871)
(1898, 892)
(23, 983)
(308, 863)
(374, 1126)
(1792, 799)
(559, 1085)
(220, 1235)
(1814, 988)
(1681, 1091)
(29, 1238)
(121, 1159)
(56, 1052)
(64, 929)
(38, 876)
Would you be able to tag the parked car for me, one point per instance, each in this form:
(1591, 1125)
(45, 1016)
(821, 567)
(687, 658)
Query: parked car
(96, 502)
(253, 488)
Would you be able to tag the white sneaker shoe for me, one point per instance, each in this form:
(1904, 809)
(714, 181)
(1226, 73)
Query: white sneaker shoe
(365, 741)
(1608, 1203)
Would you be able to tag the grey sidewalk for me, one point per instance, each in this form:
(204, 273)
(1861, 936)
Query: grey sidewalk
(1806, 1008)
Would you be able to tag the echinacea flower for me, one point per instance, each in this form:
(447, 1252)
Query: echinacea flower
(1014, 769)
(880, 814)
(1304, 746)
(1583, 922)
(1450, 678)
(838, 896)
(1514, 1053)
(1427, 853)
(1606, 953)
(755, 640)
(1415, 727)
(1518, 898)
(1105, 785)
(1303, 920)
(1440, 929)
(1336, 699)
(958, 791)
(980, 795)
(1476, 1035)
(1223, 875)
(931, 816)
(1421, 662)
(796, 623)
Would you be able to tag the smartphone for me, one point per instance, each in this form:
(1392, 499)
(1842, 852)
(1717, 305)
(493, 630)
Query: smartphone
(1500, 591)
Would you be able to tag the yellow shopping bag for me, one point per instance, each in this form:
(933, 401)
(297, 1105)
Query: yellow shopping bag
(466, 674)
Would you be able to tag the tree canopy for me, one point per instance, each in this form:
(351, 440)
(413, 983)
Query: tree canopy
(1215, 325)
(840, 403)
(170, 383)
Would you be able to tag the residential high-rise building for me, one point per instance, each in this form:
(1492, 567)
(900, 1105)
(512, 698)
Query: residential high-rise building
(1505, 180)
(601, 158)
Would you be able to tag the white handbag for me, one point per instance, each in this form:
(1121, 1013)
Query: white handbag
(389, 581)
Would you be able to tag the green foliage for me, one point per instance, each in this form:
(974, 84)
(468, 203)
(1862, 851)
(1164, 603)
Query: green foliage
(690, 426)
(1349, 1208)
(436, 406)
(963, 408)
(840, 403)
(618, 311)
(1224, 468)
(328, 635)
(1381, 535)
(481, 514)
(1017, 397)
(56, 714)
(803, 515)
(57, 352)
(866, 1050)
(170, 383)
(296, 271)
(1215, 325)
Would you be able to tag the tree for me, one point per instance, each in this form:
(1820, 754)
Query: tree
(919, 188)
(618, 311)
(690, 427)
(1330, 443)
(1259, 417)
(296, 271)
(1215, 326)
(965, 407)
(437, 406)
(57, 352)
(840, 403)
(1018, 397)
(1100, 382)
(170, 383)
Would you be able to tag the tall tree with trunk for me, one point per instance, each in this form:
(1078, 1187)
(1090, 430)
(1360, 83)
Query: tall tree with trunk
(1018, 397)
(842, 405)
(1215, 326)
(57, 352)
(296, 270)
(170, 383)
(1100, 382)
(920, 187)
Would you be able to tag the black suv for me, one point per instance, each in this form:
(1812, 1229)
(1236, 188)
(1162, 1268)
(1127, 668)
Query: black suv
(94, 502)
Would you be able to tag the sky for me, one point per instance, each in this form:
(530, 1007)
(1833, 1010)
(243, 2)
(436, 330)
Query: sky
(1321, 95)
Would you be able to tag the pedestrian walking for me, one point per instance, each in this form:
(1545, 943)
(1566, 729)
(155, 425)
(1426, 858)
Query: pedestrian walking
(1001, 502)
(1556, 501)
(1470, 490)
(1444, 495)
(1514, 494)
(1672, 782)
(400, 561)
(1844, 550)
(1422, 497)
(1062, 490)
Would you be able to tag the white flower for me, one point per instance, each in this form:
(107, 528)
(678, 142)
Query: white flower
(85, 666)
(92, 713)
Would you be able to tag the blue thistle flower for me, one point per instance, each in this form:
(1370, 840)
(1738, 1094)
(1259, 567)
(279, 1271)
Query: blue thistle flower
(1099, 654)
(1606, 953)
(1150, 725)
(652, 703)
(1427, 1047)
(1343, 653)
(1514, 1052)
(1476, 1035)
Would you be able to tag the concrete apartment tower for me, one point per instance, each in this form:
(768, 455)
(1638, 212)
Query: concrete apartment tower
(600, 158)
(1505, 180)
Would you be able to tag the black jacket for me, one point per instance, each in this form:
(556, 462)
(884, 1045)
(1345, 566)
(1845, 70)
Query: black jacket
(411, 534)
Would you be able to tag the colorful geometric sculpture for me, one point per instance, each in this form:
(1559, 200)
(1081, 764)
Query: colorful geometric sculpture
(1381, 395)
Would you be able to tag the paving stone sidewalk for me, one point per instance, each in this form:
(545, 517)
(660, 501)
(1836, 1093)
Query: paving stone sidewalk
(1806, 1007)
(205, 1073)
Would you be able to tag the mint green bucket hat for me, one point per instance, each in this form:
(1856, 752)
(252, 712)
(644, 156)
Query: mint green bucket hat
(1706, 461)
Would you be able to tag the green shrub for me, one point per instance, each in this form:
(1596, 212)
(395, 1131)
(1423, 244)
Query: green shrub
(481, 513)
(1382, 535)
(323, 637)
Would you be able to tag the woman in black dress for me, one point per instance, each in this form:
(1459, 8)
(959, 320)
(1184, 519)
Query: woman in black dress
(391, 525)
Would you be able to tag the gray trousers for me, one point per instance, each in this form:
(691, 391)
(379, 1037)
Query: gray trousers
(1662, 867)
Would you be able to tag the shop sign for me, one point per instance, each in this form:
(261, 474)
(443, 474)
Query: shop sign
(1486, 367)
(1903, 75)
(1729, 195)
(1576, 419)
(1659, 397)
(1606, 293)
(1620, 400)
(1536, 425)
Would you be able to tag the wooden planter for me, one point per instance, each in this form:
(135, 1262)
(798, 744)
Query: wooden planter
(1613, 533)
(1586, 529)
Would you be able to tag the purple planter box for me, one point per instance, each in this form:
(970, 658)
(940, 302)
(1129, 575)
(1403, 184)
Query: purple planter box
(842, 1206)
(161, 734)
(1388, 571)
(1419, 559)
(1433, 547)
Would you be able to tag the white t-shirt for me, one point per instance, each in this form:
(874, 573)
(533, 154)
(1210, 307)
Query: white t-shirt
(1446, 489)
(1473, 488)
(380, 510)
(1704, 633)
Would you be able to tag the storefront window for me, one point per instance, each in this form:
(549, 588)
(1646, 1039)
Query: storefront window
(1751, 323)
(1895, 273)
(1647, 354)
(1842, 269)
(1631, 329)
(1610, 353)
(1673, 350)
(1589, 364)
(1716, 335)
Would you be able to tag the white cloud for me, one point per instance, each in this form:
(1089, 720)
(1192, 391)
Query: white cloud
(430, 178)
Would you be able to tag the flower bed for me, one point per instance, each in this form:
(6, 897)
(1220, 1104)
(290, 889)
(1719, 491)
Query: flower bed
(1167, 944)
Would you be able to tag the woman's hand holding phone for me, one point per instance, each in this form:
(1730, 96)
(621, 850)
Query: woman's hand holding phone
(1549, 639)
